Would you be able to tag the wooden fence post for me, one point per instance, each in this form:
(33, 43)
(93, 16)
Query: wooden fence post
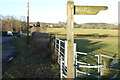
(105, 71)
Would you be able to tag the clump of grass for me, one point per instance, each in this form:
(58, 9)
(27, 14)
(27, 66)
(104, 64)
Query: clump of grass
(29, 65)
(40, 44)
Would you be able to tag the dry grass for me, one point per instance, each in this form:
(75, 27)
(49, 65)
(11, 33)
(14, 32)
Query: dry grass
(29, 65)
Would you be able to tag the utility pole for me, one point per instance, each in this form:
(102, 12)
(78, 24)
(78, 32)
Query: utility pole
(70, 39)
(27, 21)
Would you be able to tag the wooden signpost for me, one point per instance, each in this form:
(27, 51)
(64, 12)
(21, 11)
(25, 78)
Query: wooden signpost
(88, 10)
(71, 11)
(70, 39)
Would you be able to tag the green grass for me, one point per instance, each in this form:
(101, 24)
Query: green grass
(95, 45)
(98, 45)
(29, 65)
(106, 46)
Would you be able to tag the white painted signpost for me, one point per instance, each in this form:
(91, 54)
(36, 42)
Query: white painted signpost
(71, 11)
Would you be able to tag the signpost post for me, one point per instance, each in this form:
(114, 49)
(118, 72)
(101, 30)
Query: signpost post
(71, 11)
(70, 39)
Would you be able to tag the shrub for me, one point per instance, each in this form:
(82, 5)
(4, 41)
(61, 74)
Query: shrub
(40, 44)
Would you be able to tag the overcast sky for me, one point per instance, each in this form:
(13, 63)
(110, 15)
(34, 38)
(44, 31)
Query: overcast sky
(54, 11)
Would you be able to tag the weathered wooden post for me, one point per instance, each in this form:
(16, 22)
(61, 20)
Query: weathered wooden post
(105, 72)
(70, 39)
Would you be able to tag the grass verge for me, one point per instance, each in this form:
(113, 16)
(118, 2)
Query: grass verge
(29, 65)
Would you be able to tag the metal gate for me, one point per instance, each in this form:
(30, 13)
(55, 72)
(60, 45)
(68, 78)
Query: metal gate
(61, 48)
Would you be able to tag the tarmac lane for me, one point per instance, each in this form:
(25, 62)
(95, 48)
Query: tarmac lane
(0, 58)
(9, 51)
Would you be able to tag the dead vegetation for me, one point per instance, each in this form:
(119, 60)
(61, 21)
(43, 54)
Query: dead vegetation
(31, 65)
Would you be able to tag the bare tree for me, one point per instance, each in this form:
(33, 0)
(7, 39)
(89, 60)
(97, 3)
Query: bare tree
(11, 23)
(1, 22)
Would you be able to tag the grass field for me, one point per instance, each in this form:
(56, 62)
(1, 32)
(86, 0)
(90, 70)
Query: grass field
(94, 45)
(107, 46)
(83, 31)
(98, 45)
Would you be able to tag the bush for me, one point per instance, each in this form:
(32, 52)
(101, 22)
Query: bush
(57, 26)
(40, 44)
(54, 54)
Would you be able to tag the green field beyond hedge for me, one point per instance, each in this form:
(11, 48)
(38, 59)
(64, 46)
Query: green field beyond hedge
(83, 31)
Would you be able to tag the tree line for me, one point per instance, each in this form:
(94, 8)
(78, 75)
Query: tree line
(97, 26)
(12, 23)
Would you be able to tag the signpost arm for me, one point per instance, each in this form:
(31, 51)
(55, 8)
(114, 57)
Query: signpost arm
(70, 39)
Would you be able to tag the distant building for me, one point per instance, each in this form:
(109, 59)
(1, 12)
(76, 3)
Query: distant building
(55, 25)
(50, 25)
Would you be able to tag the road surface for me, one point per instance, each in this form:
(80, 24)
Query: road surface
(8, 50)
